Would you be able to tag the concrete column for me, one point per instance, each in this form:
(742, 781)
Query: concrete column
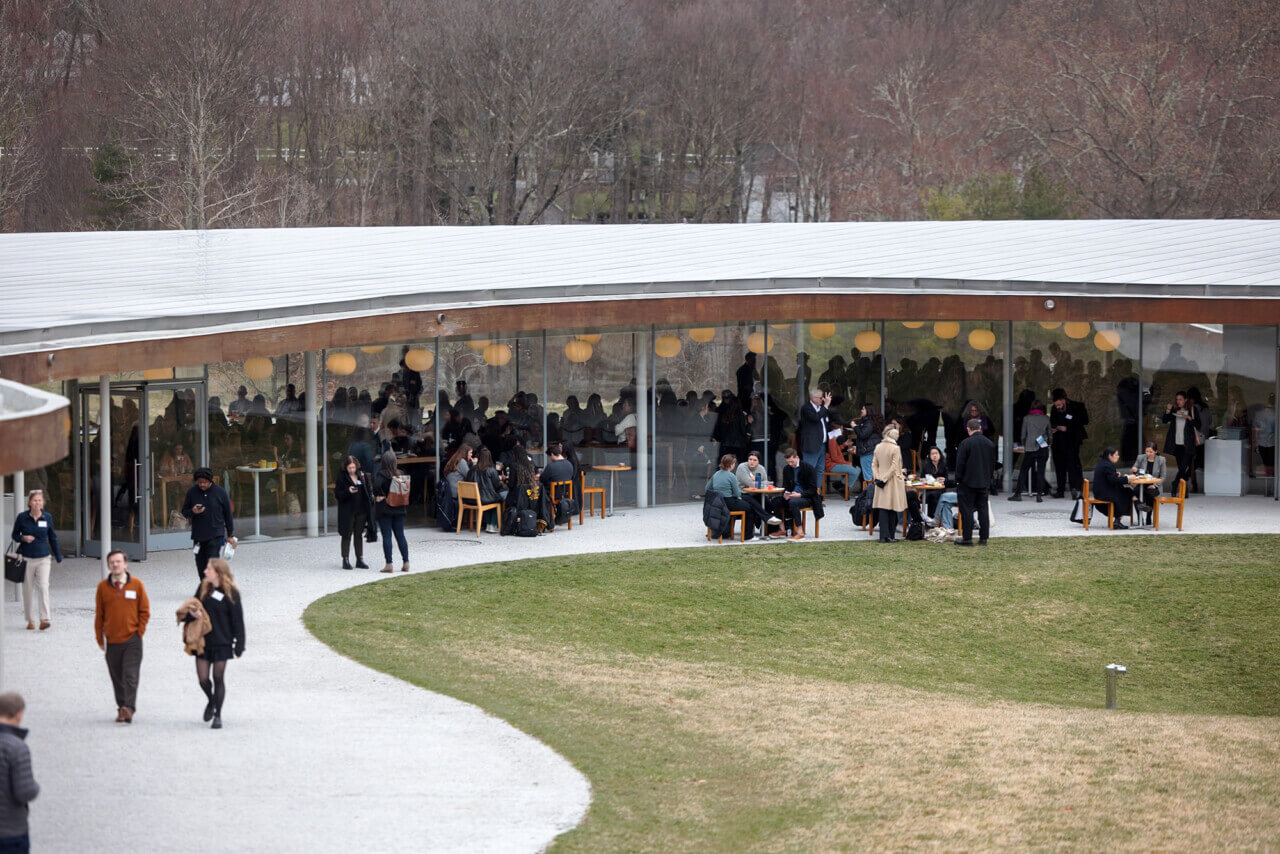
(643, 345)
(20, 493)
(1007, 382)
(312, 443)
(104, 466)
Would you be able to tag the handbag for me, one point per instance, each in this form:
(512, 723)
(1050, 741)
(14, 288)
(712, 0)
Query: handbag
(15, 566)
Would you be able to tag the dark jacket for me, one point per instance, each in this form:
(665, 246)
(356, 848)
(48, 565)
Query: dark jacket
(1108, 484)
(804, 480)
(382, 486)
(938, 471)
(490, 485)
(353, 504)
(975, 462)
(17, 785)
(46, 539)
(715, 514)
(1171, 434)
(226, 617)
(811, 435)
(216, 519)
(1074, 416)
(557, 471)
(867, 437)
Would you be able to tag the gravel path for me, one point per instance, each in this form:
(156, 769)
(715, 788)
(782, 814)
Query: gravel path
(319, 753)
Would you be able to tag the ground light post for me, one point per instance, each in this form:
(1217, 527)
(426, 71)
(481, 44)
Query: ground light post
(1114, 672)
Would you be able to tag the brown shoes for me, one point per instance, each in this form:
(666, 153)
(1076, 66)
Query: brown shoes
(31, 626)
(404, 567)
(128, 714)
(119, 714)
(44, 624)
(797, 536)
(388, 568)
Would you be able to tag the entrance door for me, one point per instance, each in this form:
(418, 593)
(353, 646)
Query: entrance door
(176, 426)
(126, 486)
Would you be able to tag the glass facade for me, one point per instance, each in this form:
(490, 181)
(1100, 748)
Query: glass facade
(659, 405)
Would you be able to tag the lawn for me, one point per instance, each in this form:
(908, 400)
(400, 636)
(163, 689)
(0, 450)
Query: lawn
(850, 695)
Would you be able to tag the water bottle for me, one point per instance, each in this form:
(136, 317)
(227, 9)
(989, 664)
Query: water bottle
(759, 480)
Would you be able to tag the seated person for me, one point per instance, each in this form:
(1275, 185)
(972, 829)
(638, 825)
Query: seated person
(1150, 464)
(175, 463)
(726, 483)
(492, 490)
(401, 441)
(458, 467)
(748, 471)
(558, 470)
(1109, 485)
(935, 464)
(836, 460)
(625, 429)
(799, 490)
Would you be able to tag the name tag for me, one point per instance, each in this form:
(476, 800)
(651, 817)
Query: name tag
(217, 596)
(131, 594)
(1068, 417)
(42, 524)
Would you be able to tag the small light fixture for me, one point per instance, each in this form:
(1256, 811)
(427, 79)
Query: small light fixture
(1049, 304)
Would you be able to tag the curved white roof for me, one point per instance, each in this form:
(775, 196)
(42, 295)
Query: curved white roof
(99, 287)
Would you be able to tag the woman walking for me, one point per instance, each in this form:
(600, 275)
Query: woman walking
(38, 543)
(891, 492)
(355, 509)
(220, 598)
(390, 516)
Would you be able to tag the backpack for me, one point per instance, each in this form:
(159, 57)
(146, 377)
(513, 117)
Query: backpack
(915, 531)
(861, 509)
(520, 523)
(446, 507)
(566, 509)
(398, 491)
(1076, 514)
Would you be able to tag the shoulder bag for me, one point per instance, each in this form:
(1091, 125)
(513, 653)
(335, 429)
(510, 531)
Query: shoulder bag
(15, 565)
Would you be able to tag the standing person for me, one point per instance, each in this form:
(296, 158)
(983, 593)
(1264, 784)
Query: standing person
(866, 433)
(390, 516)
(121, 613)
(975, 461)
(1182, 416)
(220, 598)
(1036, 431)
(18, 787)
(890, 497)
(209, 509)
(811, 435)
(355, 510)
(746, 377)
(1264, 434)
(38, 543)
(1068, 420)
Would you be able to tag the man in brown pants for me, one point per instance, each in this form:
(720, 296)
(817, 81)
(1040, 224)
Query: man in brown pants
(120, 621)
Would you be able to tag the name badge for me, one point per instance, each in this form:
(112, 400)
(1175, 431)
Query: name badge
(42, 524)
(1068, 417)
(217, 596)
(131, 594)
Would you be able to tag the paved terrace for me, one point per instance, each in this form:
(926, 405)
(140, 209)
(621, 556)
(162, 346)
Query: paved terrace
(319, 753)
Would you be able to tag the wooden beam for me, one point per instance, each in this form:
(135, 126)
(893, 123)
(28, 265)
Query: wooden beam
(33, 441)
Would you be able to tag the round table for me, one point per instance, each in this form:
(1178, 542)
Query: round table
(920, 487)
(257, 501)
(613, 472)
(762, 491)
(1136, 482)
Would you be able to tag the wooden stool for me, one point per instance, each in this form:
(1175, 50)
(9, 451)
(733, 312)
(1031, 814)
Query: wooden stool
(734, 517)
(591, 492)
(804, 516)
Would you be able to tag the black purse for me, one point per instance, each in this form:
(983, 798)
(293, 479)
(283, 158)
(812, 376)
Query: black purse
(15, 566)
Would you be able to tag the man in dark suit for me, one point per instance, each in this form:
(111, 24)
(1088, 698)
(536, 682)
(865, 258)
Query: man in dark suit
(811, 435)
(975, 461)
(799, 490)
(1068, 418)
(746, 379)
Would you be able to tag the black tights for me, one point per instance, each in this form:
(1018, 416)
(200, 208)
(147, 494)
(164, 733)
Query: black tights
(217, 691)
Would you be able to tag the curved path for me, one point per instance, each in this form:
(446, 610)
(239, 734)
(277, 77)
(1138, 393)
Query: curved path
(318, 752)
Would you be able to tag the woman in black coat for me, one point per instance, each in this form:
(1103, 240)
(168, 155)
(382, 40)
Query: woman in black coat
(355, 510)
(220, 598)
(934, 464)
(1109, 485)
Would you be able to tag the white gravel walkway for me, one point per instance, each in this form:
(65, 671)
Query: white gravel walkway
(319, 753)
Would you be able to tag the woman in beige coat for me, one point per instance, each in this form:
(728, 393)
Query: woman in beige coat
(891, 492)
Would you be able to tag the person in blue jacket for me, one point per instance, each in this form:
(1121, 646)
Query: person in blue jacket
(38, 543)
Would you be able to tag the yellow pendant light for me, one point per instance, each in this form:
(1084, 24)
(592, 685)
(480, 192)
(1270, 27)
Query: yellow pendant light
(341, 364)
(913, 324)
(593, 338)
(373, 350)
(1106, 340)
(158, 374)
(497, 355)
(1076, 328)
(822, 331)
(419, 359)
(946, 329)
(703, 334)
(1050, 324)
(867, 341)
(982, 339)
(258, 368)
(758, 342)
(666, 346)
(578, 350)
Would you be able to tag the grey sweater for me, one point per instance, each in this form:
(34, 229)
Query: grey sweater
(19, 786)
(1034, 426)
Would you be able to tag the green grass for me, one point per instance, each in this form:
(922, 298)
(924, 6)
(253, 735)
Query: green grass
(649, 671)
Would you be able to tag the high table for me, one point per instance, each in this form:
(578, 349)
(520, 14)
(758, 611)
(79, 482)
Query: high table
(1136, 482)
(613, 471)
(920, 488)
(762, 491)
(257, 501)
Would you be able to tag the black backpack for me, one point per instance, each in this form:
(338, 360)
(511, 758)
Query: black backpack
(915, 530)
(861, 508)
(446, 507)
(566, 509)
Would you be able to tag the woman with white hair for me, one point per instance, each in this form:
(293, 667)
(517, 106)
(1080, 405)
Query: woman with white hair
(891, 492)
(38, 543)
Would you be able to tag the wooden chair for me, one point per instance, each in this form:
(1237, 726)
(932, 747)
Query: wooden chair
(804, 522)
(591, 492)
(1086, 508)
(827, 474)
(567, 486)
(1180, 500)
(469, 502)
(735, 516)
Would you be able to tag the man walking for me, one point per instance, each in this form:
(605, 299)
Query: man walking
(17, 786)
(1068, 420)
(209, 509)
(975, 462)
(811, 435)
(120, 620)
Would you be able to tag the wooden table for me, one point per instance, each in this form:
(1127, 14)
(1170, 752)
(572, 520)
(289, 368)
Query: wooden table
(762, 491)
(165, 480)
(613, 471)
(920, 488)
(1136, 482)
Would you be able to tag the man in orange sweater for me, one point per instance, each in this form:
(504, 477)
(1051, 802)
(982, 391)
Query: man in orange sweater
(120, 621)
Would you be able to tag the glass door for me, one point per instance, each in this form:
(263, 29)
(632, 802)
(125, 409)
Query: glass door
(174, 413)
(126, 487)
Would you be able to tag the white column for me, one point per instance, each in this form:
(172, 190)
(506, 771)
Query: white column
(314, 399)
(20, 493)
(643, 347)
(104, 467)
